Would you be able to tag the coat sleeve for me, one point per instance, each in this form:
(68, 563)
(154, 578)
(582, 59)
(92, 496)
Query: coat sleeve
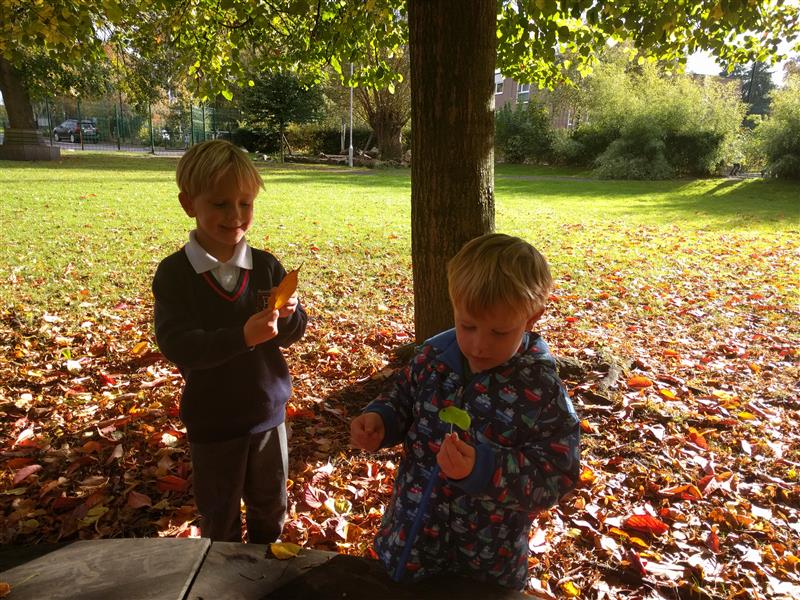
(395, 406)
(534, 475)
(182, 340)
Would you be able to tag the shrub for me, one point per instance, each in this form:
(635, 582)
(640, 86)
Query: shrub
(693, 153)
(565, 148)
(314, 139)
(637, 154)
(256, 140)
(779, 135)
(591, 141)
(680, 125)
(524, 133)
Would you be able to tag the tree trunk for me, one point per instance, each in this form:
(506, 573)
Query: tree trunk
(389, 139)
(453, 45)
(15, 96)
(21, 140)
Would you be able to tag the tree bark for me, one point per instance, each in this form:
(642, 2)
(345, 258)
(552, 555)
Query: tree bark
(389, 138)
(453, 46)
(15, 96)
(21, 140)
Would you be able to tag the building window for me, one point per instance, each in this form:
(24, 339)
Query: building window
(498, 82)
(523, 92)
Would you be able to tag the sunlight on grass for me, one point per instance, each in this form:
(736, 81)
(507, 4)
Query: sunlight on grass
(91, 228)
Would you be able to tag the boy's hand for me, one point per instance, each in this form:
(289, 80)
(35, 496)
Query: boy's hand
(456, 457)
(261, 327)
(367, 431)
(289, 308)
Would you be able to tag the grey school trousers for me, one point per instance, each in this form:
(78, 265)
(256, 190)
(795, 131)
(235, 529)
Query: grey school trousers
(251, 468)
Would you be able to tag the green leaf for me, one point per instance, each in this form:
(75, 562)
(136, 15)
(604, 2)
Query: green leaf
(227, 94)
(456, 416)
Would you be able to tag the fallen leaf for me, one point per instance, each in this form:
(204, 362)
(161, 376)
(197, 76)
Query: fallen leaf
(139, 349)
(172, 483)
(25, 472)
(138, 500)
(640, 381)
(646, 523)
(570, 589)
(284, 550)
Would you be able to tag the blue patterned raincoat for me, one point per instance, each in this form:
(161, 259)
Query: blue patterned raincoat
(527, 437)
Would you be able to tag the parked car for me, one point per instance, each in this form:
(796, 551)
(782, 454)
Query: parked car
(68, 130)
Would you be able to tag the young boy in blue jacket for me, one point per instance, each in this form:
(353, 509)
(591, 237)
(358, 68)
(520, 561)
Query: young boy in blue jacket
(210, 321)
(464, 502)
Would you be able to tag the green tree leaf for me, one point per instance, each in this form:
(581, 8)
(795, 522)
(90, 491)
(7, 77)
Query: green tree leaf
(456, 416)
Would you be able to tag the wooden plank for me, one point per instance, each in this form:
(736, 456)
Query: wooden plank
(129, 569)
(243, 572)
(353, 578)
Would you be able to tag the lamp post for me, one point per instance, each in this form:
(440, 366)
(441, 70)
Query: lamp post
(350, 150)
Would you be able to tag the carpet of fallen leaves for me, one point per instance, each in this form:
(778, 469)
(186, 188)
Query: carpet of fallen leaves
(687, 384)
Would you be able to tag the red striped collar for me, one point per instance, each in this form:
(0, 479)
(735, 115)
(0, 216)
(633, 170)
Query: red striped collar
(244, 277)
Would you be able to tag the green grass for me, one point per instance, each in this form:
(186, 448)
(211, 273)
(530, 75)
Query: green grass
(90, 229)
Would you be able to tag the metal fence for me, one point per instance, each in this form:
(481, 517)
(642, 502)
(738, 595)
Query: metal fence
(111, 124)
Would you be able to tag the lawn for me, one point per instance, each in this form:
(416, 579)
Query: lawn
(691, 286)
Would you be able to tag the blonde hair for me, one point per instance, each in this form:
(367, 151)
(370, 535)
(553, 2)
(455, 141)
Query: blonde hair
(202, 165)
(498, 269)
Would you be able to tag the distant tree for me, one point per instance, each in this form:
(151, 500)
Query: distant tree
(791, 67)
(279, 98)
(387, 109)
(755, 83)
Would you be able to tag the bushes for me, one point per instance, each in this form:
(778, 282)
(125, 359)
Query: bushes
(638, 154)
(523, 134)
(256, 140)
(779, 135)
(693, 152)
(314, 139)
(588, 142)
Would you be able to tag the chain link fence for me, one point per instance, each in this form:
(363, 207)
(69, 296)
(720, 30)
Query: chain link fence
(111, 124)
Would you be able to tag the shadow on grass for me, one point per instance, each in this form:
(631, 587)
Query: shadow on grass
(721, 203)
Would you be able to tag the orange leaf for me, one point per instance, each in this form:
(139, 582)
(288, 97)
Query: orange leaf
(587, 476)
(92, 446)
(16, 463)
(685, 492)
(640, 381)
(172, 483)
(284, 291)
(137, 500)
(712, 541)
(5, 589)
(139, 349)
(647, 524)
(697, 438)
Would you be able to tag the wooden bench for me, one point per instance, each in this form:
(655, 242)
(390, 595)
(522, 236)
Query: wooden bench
(196, 569)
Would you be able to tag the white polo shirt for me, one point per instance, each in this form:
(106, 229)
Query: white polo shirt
(226, 273)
